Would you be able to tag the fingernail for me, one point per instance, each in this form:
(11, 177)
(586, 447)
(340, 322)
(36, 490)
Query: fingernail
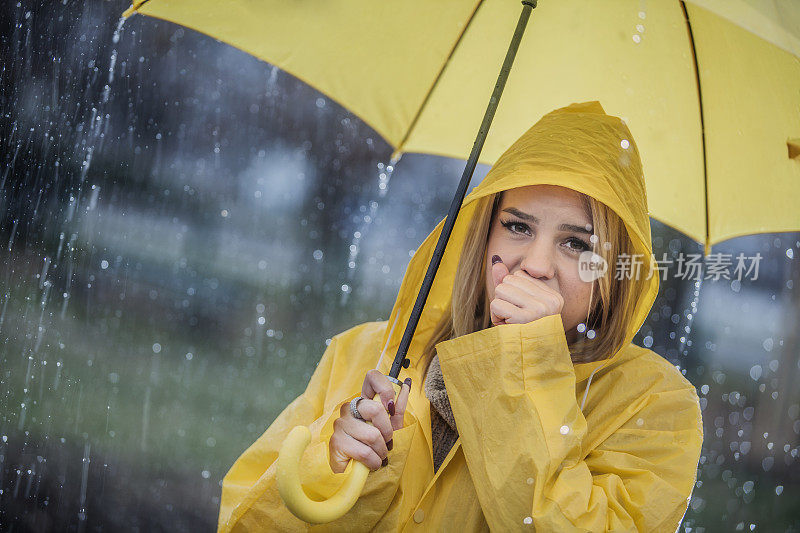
(496, 259)
(390, 444)
(407, 381)
(385, 462)
(390, 407)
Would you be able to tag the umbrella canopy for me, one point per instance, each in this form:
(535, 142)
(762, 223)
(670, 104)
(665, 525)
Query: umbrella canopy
(708, 88)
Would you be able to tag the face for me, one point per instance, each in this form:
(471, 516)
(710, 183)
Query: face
(542, 230)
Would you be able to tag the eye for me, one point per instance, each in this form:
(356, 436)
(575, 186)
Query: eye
(576, 244)
(509, 224)
(580, 245)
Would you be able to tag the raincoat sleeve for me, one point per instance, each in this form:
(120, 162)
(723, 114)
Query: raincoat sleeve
(512, 391)
(250, 500)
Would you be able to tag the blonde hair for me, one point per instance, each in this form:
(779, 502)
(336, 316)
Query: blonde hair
(611, 304)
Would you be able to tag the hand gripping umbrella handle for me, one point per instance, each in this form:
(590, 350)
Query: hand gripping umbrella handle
(292, 493)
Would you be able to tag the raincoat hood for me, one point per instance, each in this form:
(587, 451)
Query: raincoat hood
(579, 147)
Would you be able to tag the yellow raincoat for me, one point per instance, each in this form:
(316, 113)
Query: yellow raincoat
(544, 444)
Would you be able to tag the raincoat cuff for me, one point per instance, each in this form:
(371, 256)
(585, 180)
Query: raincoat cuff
(549, 328)
(532, 357)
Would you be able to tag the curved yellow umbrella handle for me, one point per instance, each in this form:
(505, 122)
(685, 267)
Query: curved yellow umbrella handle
(292, 493)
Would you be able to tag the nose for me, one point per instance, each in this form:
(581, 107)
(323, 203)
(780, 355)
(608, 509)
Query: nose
(537, 260)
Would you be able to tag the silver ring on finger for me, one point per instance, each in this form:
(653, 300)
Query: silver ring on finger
(354, 408)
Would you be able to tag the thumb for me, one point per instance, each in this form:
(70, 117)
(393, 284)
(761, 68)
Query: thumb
(499, 270)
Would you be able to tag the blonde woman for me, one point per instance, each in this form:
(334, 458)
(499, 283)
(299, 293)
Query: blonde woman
(525, 404)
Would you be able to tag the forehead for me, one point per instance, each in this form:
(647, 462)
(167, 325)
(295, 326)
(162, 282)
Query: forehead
(547, 198)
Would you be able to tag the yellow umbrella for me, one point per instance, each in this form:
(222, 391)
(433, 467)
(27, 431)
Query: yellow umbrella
(710, 89)
(419, 74)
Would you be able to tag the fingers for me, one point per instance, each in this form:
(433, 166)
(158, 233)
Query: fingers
(539, 303)
(520, 289)
(373, 435)
(501, 311)
(344, 446)
(368, 435)
(369, 441)
(374, 412)
(523, 280)
(529, 294)
(512, 294)
(499, 271)
(376, 382)
(400, 406)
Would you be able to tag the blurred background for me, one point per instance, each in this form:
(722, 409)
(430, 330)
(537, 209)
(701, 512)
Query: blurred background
(183, 228)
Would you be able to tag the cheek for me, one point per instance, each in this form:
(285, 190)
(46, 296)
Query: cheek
(577, 295)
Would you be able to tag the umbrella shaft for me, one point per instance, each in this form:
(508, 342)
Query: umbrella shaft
(455, 206)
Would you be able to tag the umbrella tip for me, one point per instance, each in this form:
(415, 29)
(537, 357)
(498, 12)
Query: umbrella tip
(135, 4)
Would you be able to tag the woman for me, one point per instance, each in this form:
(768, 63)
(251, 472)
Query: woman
(528, 405)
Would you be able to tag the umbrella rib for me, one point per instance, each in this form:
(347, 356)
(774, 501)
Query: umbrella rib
(706, 244)
(436, 81)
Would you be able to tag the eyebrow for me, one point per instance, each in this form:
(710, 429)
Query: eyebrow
(563, 227)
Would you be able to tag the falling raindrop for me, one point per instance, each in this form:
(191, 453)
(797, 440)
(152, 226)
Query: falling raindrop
(384, 175)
